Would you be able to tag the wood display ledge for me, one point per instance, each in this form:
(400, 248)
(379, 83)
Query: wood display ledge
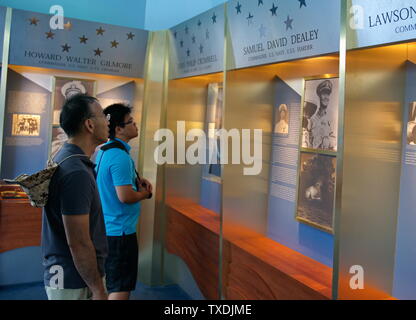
(254, 266)
(203, 216)
(20, 223)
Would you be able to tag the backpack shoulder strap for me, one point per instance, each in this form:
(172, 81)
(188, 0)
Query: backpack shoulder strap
(115, 144)
(71, 156)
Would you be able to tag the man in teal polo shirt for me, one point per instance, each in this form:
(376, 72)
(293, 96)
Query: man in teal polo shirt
(121, 191)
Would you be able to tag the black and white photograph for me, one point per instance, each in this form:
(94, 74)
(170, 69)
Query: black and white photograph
(59, 137)
(64, 89)
(67, 87)
(281, 126)
(26, 125)
(316, 190)
(411, 124)
(320, 114)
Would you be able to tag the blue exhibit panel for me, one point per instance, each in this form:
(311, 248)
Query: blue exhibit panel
(197, 45)
(82, 46)
(211, 195)
(282, 225)
(24, 152)
(264, 32)
(405, 262)
(123, 93)
(23, 265)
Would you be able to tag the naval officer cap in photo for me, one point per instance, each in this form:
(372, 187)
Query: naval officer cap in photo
(73, 88)
(324, 87)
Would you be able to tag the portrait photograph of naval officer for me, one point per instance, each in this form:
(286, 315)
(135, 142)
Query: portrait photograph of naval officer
(320, 128)
(64, 88)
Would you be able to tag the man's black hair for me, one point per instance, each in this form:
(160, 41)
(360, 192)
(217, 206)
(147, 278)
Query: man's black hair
(75, 111)
(118, 112)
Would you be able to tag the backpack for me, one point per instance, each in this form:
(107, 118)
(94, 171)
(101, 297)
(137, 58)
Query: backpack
(115, 144)
(36, 185)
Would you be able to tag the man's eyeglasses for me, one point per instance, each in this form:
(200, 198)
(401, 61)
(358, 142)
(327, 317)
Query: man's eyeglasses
(126, 123)
(107, 117)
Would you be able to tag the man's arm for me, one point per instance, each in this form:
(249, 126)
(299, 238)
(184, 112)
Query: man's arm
(126, 194)
(83, 253)
(77, 191)
(121, 172)
(147, 184)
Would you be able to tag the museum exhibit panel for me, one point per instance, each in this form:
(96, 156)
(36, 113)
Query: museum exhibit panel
(44, 68)
(193, 184)
(377, 217)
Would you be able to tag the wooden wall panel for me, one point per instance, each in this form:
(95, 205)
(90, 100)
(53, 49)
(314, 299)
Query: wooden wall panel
(248, 277)
(20, 224)
(198, 247)
(254, 267)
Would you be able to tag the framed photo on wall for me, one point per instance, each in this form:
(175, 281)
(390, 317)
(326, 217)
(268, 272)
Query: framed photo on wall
(63, 89)
(26, 125)
(213, 121)
(411, 124)
(281, 117)
(320, 114)
(316, 190)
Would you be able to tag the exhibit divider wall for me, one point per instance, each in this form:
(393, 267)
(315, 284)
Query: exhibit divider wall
(152, 220)
(376, 245)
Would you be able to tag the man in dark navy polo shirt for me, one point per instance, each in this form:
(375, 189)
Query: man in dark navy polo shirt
(74, 243)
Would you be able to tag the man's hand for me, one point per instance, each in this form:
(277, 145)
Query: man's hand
(148, 185)
(146, 193)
